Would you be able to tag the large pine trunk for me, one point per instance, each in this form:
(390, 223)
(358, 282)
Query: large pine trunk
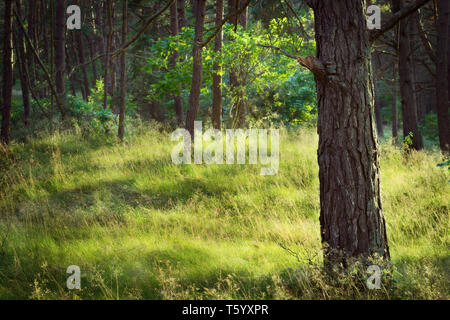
(7, 72)
(216, 77)
(442, 89)
(194, 96)
(351, 219)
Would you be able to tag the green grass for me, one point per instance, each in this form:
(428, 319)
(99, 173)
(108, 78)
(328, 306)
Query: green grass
(141, 227)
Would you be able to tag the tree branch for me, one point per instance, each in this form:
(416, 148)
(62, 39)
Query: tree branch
(228, 17)
(311, 63)
(147, 25)
(399, 15)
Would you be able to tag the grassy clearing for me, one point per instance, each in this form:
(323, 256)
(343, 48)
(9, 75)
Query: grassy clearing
(141, 227)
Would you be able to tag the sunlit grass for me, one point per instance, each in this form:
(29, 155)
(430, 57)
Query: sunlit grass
(140, 226)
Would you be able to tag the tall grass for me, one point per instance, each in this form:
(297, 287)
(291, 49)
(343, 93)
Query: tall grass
(141, 227)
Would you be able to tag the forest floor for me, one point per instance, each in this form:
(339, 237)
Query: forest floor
(139, 226)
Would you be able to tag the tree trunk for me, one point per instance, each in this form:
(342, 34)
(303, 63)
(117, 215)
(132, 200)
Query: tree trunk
(351, 219)
(76, 60)
(71, 77)
(23, 77)
(107, 57)
(239, 110)
(194, 96)
(92, 52)
(32, 36)
(82, 62)
(7, 72)
(181, 13)
(409, 107)
(376, 62)
(174, 30)
(123, 72)
(378, 106)
(243, 17)
(216, 77)
(60, 63)
(394, 106)
(442, 89)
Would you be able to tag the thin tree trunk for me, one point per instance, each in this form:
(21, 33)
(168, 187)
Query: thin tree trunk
(82, 60)
(243, 17)
(394, 106)
(107, 58)
(32, 36)
(71, 77)
(194, 96)
(76, 59)
(23, 77)
(413, 35)
(376, 62)
(409, 107)
(181, 13)
(174, 30)
(7, 72)
(217, 78)
(60, 55)
(442, 86)
(378, 106)
(112, 66)
(123, 74)
(351, 219)
(45, 39)
(92, 52)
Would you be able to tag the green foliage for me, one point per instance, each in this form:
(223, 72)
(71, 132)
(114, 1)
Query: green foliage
(408, 140)
(91, 116)
(267, 79)
(429, 127)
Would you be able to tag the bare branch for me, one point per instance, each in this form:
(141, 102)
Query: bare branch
(147, 25)
(399, 15)
(228, 17)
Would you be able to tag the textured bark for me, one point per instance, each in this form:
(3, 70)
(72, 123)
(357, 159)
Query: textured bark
(351, 219)
(123, 74)
(217, 78)
(23, 76)
(60, 56)
(409, 107)
(194, 96)
(7, 72)
(174, 30)
(442, 89)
